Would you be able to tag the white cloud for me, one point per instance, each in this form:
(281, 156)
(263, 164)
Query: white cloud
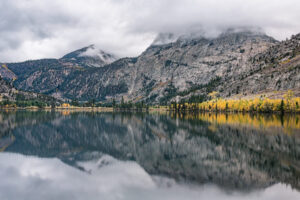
(28, 177)
(31, 29)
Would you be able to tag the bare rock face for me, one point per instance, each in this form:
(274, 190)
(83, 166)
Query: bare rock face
(277, 69)
(189, 63)
(242, 63)
(5, 89)
(5, 72)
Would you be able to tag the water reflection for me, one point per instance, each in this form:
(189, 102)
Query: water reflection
(288, 124)
(238, 153)
(27, 177)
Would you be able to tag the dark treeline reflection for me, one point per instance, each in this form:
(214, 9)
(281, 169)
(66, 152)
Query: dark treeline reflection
(235, 151)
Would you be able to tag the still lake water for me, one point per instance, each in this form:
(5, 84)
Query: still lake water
(69, 156)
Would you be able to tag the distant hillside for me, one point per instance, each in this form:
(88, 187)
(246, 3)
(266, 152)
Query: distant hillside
(236, 64)
(9, 93)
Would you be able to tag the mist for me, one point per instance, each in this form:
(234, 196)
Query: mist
(35, 29)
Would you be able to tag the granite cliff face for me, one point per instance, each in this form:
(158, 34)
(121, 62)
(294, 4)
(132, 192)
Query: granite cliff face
(234, 63)
(277, 69)
(187, 65)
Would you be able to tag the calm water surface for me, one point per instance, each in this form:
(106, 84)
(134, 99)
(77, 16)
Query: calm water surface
(69, 156)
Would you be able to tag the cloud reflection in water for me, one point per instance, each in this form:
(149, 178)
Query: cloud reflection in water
(27, 177)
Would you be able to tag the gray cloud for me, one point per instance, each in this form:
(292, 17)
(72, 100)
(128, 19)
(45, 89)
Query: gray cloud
(31, 29)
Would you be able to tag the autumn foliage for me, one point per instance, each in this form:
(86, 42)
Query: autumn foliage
(288, 104)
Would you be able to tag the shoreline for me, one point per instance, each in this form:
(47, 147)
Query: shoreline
(107, 109)
(154, 109)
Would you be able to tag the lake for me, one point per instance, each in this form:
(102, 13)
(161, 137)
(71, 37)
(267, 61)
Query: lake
(76, 155)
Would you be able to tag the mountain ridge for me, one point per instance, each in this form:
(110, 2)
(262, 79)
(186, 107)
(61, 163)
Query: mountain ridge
(167, 72)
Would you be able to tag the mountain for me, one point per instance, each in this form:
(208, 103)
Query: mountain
(89, 56)
(50, 76)
(190, 64)
(236, 64)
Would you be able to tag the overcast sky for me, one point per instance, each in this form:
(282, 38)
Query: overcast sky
(31, 29)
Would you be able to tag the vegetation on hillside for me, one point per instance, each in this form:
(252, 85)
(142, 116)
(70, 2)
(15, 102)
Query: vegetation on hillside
(171, 91)
(288, 104)
(23, 104)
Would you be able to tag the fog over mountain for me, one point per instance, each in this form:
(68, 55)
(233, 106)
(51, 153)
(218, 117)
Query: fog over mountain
(35, 29)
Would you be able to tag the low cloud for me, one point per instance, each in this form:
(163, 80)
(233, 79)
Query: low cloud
(31, 29)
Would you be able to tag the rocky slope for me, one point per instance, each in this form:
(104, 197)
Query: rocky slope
(8, 92)
(189, 64)
(277, 69)
(235, 63)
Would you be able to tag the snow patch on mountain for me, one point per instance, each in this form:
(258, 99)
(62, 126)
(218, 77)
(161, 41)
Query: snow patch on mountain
(94, 52)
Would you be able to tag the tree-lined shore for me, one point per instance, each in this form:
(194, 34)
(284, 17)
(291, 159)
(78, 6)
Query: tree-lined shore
(288, 103)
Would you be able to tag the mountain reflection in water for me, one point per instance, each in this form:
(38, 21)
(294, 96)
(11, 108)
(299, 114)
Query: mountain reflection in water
(160, 156)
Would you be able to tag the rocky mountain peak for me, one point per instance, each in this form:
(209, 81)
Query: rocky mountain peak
(90, 56)
(228, 36)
